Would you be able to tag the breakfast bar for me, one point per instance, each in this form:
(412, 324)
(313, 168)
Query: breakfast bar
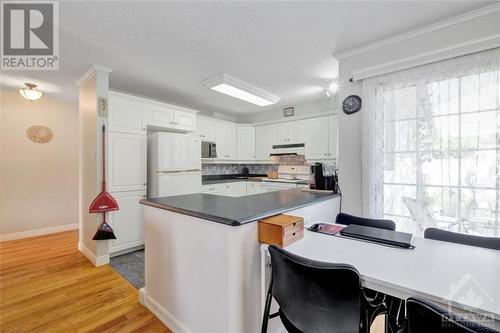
(202, 257)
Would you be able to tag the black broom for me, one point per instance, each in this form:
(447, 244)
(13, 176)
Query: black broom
(104, 231)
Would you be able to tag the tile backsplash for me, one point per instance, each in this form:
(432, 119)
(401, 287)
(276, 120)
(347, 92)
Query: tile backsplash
(209, 169)
(228, 169)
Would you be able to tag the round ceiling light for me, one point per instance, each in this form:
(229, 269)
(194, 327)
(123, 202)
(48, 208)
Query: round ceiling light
(30, 92)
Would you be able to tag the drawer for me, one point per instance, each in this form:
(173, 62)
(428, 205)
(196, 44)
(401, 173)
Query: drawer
(293, 227)
(281, 230)
(293, 237)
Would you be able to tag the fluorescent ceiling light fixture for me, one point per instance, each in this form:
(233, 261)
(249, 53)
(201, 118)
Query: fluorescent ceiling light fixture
(30, 92)
(233, 87)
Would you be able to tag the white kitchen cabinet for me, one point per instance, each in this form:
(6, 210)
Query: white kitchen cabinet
(263, 142)
(171, 117)
(333, 122)
(128, 221)
(219, 189)
(225, 138)
(206, 129)
(236, 189)
(321, 140)
(292, 132)
(245, 143)
(255, 188)
(275, 186)
(230, 189)
(297, 131)
(184, 120)
(317, 138)
(127, 155)
(127, 114)
(160, 115)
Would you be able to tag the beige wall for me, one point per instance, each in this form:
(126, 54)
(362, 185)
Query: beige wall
(38, 182)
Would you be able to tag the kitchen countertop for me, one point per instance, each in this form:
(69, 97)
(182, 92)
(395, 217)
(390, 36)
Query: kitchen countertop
(240, 210)
(230, 180)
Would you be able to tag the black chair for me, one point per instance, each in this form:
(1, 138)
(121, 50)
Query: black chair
(455, 237)
(425, 317)
(346, 219)
(380, 303)
(314, 296)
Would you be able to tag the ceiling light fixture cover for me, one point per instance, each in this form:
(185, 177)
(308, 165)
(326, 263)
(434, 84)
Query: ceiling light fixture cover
(236, 88)
(30, 92)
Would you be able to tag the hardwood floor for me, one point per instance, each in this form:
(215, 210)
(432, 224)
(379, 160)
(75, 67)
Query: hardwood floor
(47, 285)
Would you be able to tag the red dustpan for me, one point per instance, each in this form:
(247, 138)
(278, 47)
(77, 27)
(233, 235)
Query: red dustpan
(104, 201)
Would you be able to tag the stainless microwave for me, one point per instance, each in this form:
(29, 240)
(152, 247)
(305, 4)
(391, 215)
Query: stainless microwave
(208, 150)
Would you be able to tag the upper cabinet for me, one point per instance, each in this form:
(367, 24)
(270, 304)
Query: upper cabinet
(263, 142)
(127, 114)
(288, 133)
(161, 115)
(245, 140)
(225, 138)
(184, 120)
(206, 129)
(333, 132)
(130, 114)
(321, 136)
(171, 117)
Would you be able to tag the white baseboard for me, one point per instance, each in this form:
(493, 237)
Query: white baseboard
(97, 261)
(38, 232)
(165, 317)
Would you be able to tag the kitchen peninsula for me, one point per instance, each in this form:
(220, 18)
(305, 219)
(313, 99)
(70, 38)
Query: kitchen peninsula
(202, 258)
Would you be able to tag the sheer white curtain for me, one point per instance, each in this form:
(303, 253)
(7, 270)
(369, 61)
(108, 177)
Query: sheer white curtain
(431, 145)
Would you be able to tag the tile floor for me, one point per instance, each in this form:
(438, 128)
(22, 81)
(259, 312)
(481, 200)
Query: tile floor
(131, 267)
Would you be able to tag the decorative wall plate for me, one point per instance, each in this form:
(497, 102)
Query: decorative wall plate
(39, 134)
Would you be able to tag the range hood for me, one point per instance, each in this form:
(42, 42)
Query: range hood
(288, 149)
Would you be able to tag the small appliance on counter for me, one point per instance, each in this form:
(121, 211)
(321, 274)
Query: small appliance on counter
(208, 150)
(323, 177)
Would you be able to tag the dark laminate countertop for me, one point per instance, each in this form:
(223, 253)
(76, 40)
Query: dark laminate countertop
(232, 180)
(237, 211)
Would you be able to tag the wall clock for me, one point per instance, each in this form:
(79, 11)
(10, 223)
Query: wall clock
(351, 104)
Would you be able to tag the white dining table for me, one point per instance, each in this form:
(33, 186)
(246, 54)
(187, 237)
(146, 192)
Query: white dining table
(465, 279)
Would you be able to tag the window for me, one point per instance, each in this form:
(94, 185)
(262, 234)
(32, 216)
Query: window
(437, 131)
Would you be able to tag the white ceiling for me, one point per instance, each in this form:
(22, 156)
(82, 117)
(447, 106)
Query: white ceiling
(166, 49)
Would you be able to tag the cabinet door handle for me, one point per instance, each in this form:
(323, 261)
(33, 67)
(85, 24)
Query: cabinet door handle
(144, 184)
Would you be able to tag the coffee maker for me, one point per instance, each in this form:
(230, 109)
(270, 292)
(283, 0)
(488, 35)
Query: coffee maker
(317, 176)
(323, 178)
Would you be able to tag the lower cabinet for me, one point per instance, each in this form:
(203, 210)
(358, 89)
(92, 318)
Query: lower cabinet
(231, 189)
(241, 189)
(274, 186)
(127, 222)
(255, 188)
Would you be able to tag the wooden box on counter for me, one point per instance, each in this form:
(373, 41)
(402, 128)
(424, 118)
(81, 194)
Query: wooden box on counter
(281, 230)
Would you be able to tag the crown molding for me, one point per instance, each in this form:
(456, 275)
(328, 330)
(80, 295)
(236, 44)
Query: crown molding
(455, 50)
(91, 71)
(420, 31)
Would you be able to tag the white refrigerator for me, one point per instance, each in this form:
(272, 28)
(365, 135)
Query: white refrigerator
(174, 164)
